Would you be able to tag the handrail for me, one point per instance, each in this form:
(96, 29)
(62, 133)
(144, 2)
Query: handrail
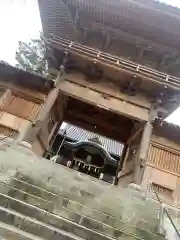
(115, 62)
(164, 208)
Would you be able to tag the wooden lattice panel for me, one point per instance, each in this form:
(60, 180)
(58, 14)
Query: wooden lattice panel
(8, 132)
(164, 159)
(163, 191)
(21, 107)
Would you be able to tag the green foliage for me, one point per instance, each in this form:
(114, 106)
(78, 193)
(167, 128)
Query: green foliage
(31, 56)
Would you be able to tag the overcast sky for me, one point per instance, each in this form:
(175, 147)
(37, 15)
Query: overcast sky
(20, 20)
(175, 3)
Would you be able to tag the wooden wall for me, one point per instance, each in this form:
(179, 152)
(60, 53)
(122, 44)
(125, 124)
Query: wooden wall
(18, 111)
(163, 169)
(21, 107)
(164, 158)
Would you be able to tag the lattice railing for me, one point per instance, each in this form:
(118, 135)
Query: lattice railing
(115, 62)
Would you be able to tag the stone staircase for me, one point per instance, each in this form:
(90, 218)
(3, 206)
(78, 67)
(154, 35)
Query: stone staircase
(40, 199)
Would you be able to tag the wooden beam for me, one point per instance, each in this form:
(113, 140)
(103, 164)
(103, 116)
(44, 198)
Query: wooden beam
(120, 132)
(135, 135)
(96, 121)
(113, 105)
(90, 127)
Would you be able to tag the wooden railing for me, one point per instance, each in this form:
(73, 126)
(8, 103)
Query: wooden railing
(115, 62)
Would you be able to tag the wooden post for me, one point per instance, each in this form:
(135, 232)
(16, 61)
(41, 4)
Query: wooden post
(121, 164)
(142, 152)
(33, 130)
(146, 135)
(145, 141)
(144, 145)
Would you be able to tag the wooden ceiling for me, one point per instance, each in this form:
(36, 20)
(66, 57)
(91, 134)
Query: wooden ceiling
(98, 120)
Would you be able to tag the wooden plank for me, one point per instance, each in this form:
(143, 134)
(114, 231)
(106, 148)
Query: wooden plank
(20, 107)
(164, 159)
(111, 89)
(95, 98)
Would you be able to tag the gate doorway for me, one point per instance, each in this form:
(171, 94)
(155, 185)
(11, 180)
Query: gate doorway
(90, 155)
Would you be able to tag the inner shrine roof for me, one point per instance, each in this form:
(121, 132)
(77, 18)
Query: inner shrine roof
(76, 133)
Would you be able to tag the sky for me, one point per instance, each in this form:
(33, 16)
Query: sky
(20, 20)
(175, 3)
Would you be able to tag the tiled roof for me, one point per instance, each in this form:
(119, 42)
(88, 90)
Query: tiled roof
(56, 19)
(16, 76)
(167, 130)
(79, 134)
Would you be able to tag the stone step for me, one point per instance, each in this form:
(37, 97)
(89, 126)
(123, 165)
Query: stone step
(53, 174)
(8, 232)
(51, 177)
(76, 218)
(56, 173)
(60, 204)
(55, 228)
(79, 195)
(73, 182)
(62, 187)
(101, 202)
(54, 202)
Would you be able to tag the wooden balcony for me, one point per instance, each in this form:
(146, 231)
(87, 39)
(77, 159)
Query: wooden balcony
(115, 63)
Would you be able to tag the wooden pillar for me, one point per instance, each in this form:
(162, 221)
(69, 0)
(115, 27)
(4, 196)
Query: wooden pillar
(121, 164)
(144, 146)
(145, 141)
(34, 129)
(146, 135)
(143, 150)
(55, 133)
